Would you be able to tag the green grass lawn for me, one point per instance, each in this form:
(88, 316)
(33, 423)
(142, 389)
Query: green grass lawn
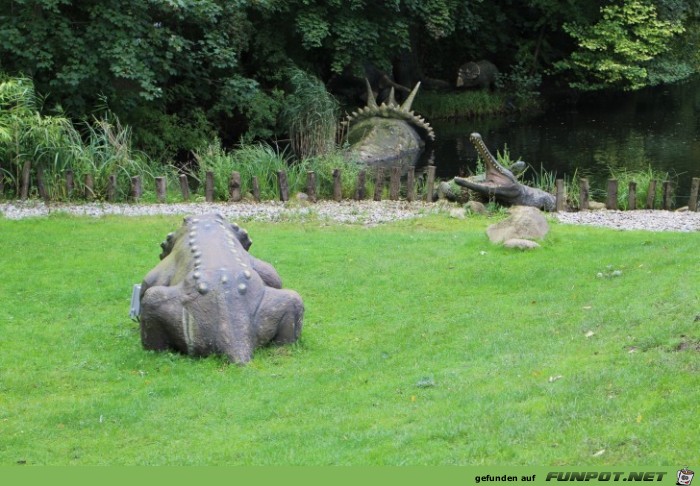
(423, 344)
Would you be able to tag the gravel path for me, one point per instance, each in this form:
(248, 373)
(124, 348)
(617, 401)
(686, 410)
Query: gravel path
(348, 212)
(656, 220)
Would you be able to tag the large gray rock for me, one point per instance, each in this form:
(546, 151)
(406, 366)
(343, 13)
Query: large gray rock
(524, 222)
(208, 295)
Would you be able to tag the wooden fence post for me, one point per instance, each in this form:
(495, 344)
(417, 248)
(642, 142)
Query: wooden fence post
(651, 194)
(41, 187)
(611, 202)
(584, 194)
(379, 184)
(234, 187)
(430, 185)
(561, 196)
(395, 183)
(694, 187)
(667, 200)
(24, 190)
(256, 189)
(184, 187)
(411, 184)
(632, 196)
(136, 188)
(311, 185)
(337, 185)
(160, 189)
(89, 182)
(70, 183)
(112, 188)
(361, 187)
(284, 188)
(209, 186)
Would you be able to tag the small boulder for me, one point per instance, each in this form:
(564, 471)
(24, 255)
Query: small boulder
(524, 222)
(458, 213)
(475, 207)
(596, 206)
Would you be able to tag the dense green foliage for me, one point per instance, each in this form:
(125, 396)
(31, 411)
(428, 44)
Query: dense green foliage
(620, 49)
(183, 72)
(433, 348)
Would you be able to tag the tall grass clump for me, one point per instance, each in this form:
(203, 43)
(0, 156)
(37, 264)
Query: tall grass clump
(543, 179)
(310, 116)
(264, 161)
(259, 160)
(108, 150)
(30, 141)
(642, 178)
(324, 166)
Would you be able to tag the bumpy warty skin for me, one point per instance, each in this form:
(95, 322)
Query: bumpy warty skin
(208, 295)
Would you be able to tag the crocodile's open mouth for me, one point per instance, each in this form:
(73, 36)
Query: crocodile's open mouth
(497, 180)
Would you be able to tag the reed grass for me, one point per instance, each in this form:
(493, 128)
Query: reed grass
(264, 162)
(310, 115)
(28, 139)
(642, 178)
(53, 144)
(109, 151)
(259, 160)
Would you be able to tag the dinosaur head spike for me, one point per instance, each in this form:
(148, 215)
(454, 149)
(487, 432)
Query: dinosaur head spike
(392, 99)
(371, 102)
(406, 106)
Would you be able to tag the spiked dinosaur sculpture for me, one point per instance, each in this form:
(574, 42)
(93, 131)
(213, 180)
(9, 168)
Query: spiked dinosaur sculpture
(208, 295)
(500, 183)
(387, 133)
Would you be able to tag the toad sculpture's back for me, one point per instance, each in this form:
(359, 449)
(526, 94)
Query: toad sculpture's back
(208, 295)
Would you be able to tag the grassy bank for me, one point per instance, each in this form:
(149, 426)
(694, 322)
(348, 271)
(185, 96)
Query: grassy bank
(423, 344)
(462, 104)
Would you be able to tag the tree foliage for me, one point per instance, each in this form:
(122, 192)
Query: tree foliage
(182, 71)
(620, 49)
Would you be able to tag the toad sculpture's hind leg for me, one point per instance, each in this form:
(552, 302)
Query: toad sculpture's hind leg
(161, 308)
(279, 317)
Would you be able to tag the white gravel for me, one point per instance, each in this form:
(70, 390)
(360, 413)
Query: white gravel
(649, 220)
(347, 212)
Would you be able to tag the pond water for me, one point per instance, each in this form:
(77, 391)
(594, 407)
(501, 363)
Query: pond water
(656, 128)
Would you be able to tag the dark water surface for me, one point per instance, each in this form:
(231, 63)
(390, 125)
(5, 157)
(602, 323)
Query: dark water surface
(657, 128)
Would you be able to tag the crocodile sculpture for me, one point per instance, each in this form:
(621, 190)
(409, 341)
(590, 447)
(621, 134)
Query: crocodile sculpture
(208, 295)
(500, 183)
(388, 134)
